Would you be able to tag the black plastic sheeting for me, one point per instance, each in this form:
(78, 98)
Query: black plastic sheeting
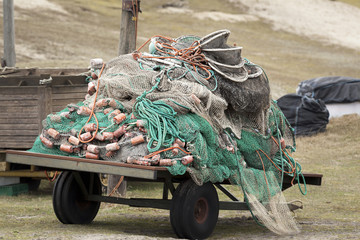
(331, 89)
(306, 115)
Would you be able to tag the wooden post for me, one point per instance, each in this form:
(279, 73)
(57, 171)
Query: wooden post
(127, 44)
(9, 58)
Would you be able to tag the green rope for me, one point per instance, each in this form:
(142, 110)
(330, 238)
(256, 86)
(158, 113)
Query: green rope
(160, 118)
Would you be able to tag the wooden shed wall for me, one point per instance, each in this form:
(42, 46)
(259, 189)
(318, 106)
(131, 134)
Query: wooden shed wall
(23, 108)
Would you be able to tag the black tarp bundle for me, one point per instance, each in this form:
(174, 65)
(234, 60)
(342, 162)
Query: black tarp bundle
(331, 89)
(305, 114)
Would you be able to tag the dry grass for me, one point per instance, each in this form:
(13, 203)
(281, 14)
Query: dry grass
(91, 29)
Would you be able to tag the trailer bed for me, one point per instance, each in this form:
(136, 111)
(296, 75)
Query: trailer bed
(77, 192)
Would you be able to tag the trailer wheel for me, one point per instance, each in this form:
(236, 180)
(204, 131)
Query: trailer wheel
(72, 206)
(194, 211)
(56, 197)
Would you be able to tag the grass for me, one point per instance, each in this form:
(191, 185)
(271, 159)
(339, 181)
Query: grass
(91, 29)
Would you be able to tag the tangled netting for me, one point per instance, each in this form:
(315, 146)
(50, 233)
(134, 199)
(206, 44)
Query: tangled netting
(191, 104)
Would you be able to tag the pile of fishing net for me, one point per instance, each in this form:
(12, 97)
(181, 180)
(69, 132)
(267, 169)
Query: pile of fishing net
(193, 105)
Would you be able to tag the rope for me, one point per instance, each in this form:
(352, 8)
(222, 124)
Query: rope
(160, 119)
(191, 55)
(165, 150)
(54, 177)
(117, 186)
(92, 111)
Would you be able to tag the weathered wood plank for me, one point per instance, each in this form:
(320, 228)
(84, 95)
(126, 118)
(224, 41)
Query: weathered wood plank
(17, 109)
(20, 97)
(18, 103)
(67, 95)
(19, 115)
(11, 126)
(19, 132)
(13, 120)
(71, 89)
(25, 91)
(17, 145)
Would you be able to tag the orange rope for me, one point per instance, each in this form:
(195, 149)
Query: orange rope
(92, 110)
(117, 186)
(48, 178)
(165, 150)
(191, 55)
(293, 167)
(267, 184)
(293, 170)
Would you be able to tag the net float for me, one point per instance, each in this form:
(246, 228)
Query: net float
(108, 110)
(155, 159)
(115, 112)
(140, 123)
(90, 127)
(98, 136)
(196, 100)
(53, 133)
(230, 149)
(96, 63)
(187, 159)
(74, 140)
(120, 131)
(131, 159)
(91, 88)
(65, 114)
(85, 136)
(175, 151)
(101, 103)
(93, 148)
(108, 136)
(137, 140)
(110, 154)
(84, 111)
(282, 143)
(119, 118)
(142, 162)
(166, 162)
(66, 148)
(112, 146)
(46, 142)
(91, 155)
(112, 103)
(94, 75)
(179, 142)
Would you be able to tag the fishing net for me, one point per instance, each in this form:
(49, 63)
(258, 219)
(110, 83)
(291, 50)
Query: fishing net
(193, 105)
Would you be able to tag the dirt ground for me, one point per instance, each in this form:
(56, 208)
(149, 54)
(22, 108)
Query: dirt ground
(292, 41)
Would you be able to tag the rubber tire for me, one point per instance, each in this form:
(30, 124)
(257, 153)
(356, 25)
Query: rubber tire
(182, 213)
(56, 197)
(71, 206)
(177, 207)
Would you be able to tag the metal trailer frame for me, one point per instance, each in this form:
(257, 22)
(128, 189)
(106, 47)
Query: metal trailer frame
(84, 172)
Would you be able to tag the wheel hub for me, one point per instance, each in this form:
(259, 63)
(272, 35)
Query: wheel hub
(201, 210)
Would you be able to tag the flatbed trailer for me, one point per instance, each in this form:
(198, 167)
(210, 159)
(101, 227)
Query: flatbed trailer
(193, 209)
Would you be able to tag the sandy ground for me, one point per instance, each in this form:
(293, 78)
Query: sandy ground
(328, 21)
